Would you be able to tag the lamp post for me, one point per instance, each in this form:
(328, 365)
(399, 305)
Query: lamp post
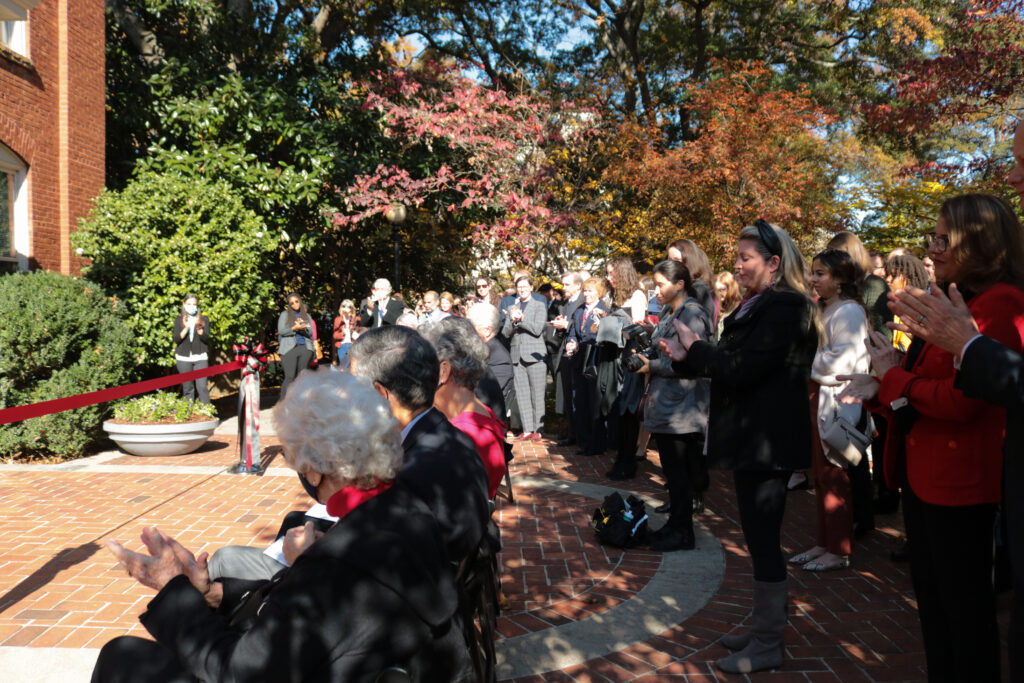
(396, 216)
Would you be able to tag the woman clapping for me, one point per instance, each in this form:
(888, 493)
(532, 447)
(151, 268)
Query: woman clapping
(758, 422)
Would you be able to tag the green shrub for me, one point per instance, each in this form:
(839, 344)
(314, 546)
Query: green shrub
(163, 237)
(162, 406)
(61, 336)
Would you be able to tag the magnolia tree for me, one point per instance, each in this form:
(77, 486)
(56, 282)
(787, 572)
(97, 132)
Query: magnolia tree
(487, 159)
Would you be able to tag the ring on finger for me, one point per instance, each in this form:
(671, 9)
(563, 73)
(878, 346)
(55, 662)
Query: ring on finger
(921, 319)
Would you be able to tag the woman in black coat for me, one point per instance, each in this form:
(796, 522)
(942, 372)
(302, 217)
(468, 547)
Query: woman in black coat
(759, 426)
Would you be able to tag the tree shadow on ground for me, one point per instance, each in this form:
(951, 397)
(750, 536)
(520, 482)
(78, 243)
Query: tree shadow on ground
(65, 559)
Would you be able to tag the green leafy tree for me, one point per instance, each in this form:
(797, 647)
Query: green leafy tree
(163, 237)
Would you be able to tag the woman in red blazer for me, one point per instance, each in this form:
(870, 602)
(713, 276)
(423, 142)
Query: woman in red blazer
(951, 466)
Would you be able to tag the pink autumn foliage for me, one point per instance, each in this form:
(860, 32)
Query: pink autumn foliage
(498, 144)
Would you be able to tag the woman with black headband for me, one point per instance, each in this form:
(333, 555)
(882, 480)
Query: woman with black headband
(759, 425)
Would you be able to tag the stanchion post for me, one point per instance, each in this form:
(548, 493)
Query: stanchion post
(254, 359)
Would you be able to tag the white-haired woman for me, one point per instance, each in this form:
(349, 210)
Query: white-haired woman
(759, 425)
(374, 592)
(463, 356)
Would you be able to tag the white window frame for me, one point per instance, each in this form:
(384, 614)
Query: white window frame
(13, 167)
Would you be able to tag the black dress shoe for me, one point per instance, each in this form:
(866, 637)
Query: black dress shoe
(663, 508)
(667, 539)
(568, 441)
(861, 529)
(621, 473)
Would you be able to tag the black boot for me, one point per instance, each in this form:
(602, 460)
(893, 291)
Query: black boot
(669, 538)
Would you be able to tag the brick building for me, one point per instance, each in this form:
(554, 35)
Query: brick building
(51, 128)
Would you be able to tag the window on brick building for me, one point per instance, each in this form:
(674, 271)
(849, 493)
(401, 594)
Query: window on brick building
(13, 212)
(12, 36)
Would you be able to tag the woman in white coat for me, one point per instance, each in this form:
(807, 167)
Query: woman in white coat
(843, 352)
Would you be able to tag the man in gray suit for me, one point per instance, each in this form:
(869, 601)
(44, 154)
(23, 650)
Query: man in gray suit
(524, 327)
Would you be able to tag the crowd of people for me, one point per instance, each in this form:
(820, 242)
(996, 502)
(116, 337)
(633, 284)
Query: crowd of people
(780, 367)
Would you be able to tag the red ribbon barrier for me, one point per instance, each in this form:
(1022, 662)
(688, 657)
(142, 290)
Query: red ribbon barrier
(57, 405)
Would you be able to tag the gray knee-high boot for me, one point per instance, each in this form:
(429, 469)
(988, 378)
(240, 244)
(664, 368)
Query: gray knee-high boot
(763, 647)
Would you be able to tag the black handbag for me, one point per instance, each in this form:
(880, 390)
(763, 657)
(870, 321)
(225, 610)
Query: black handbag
(621, 523)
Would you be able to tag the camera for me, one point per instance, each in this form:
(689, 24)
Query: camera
(636, 339)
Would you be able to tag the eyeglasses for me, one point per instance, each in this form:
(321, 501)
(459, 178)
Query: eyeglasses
(482, 285)
(937, 243)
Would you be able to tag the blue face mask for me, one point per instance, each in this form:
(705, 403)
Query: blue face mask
(310, 489)
(191, 309)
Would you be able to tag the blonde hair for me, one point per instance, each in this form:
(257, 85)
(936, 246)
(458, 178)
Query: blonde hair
(792, 274)
(732, 291)
(595, 283)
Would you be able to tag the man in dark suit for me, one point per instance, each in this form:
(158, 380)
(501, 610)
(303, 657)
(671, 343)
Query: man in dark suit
(380, 308)
(441, 465)
(571, 283)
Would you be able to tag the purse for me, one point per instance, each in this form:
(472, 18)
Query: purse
(845, 438)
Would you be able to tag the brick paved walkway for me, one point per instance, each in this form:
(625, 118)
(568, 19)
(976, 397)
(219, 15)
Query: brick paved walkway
(61, 591)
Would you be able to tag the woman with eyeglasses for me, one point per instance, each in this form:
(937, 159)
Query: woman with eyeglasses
(295, 332)
(345, 329)
(950, 464)
(759, 420)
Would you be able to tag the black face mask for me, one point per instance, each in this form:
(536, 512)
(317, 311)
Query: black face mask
(310, 489)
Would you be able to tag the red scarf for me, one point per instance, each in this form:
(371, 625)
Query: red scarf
(351, 497)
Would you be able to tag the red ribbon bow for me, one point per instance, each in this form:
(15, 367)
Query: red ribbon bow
(252, 355)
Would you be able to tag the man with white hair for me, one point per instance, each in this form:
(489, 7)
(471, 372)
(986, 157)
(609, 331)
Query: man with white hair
(380, 308)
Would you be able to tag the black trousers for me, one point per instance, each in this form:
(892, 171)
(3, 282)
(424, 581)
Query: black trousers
(567, 373)
(590, 428)
(623, 432)
(951, 569)
(761, 498)
(295, 361)
(128, 659)
(188, 389)
(686, 472)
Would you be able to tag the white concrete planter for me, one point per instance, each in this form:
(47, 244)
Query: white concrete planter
(160, 439)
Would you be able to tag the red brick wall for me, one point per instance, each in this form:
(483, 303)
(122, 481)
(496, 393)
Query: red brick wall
(66, 52)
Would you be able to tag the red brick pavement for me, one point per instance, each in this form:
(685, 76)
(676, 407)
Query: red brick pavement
(60, 588)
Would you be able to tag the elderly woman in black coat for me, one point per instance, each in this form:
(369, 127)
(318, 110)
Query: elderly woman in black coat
(758, 423)
(375, 592)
